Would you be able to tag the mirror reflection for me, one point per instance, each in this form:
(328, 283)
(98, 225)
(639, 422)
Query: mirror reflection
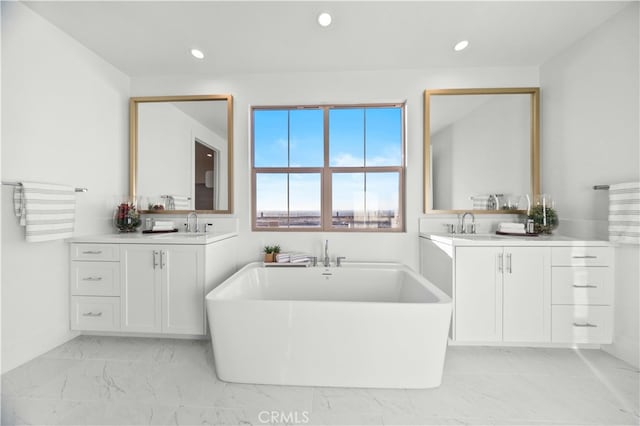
(183, 152)
(481, 150)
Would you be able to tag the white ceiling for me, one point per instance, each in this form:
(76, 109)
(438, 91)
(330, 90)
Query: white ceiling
(144, 38)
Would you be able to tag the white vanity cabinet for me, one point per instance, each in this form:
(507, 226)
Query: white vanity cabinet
(153, 285)
(162, 288)
(582, 295)
(529, 290)
(502, 294)
(95, 287)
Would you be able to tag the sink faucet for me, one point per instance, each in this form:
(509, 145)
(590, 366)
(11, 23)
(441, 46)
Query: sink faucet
(326, 261)
(189, 229)
(473, 223)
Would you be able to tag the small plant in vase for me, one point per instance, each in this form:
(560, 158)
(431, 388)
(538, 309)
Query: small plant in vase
(127, 217)
(270, 253)
(545, 219)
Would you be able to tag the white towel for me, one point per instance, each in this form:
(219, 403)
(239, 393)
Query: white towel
(47, 211)
(300, 257)
(179, 202)
(511, 225)
(163, 223)
(163, 228)
(512, 228)
(624, 213)
(292, 257)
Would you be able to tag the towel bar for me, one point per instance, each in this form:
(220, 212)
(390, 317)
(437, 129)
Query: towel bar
(19, 184)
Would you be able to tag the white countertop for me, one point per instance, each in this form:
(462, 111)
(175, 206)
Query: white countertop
(508, 240)
(168, 238)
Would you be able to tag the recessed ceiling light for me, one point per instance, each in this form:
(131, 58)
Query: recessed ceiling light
(461, 45)
(197, 53)
(324, 19)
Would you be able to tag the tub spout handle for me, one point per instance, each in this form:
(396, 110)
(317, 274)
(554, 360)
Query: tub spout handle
(339, 260)
(327, 261)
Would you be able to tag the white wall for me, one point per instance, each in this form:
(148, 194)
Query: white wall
(1, 204)
(65, 116)
(590, 115)
(343, 87)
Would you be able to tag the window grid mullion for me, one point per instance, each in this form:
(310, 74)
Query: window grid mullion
(364, 162)
(288, 167)
(326, 203)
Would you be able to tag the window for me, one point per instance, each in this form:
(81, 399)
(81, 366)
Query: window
(328, 168)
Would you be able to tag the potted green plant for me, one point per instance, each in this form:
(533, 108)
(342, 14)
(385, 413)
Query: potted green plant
(270, 253)
(545, 219)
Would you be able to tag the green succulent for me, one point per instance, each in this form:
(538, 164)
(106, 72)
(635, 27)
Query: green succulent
(272, 249)
(537, 213)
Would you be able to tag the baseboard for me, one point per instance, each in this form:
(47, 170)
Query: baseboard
(626, 349)
(528, 344)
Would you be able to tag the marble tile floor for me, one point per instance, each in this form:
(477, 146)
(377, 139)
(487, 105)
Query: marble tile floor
(142, 381)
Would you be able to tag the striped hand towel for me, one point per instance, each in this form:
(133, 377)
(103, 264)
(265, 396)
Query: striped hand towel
(179, 202)
(480, 202)
(624, 213)
(47, 211)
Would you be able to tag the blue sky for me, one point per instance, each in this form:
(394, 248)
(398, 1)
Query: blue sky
(296, 139)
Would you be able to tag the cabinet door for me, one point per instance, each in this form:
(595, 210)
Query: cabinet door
(141, 291)
(527, 294)
(183, 289)
(478, 294)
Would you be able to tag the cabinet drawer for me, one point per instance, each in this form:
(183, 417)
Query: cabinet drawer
(97, 252)
(95, 313)
(581, 324)
(580, 256)
(95, 278)
(581, 286)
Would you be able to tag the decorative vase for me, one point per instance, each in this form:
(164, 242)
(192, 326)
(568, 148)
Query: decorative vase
(543, 214)
(126, 217)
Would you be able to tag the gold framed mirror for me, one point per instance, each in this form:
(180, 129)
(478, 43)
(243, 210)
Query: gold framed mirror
(481, 150)
(181, 153)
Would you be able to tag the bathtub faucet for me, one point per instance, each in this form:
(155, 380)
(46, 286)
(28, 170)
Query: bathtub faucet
(326, 261)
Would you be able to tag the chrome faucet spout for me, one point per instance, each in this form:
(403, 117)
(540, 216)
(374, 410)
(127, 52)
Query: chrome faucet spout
(473, 223)
(327, 260)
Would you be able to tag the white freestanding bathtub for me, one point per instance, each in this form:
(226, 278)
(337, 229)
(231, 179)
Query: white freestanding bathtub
(359, 325)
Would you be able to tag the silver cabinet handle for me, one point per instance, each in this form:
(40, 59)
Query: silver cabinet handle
(585, 257)
(509, 263)
(155, 260)
(92, 279)
(162, 259)
(91, 314)
(575, 324)
(500, 262)
(585, 286)
(92, 252)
